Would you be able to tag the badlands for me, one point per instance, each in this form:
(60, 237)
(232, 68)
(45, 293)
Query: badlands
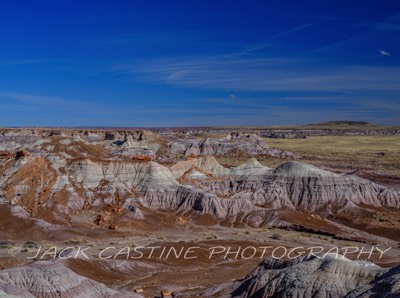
(199, 212)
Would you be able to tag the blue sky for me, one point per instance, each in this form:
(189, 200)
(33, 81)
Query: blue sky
(198, 63)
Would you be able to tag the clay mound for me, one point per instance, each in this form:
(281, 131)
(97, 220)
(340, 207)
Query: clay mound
(193, 150)
(251, 163)
(311, 188)
(330, 276)
(208, 165)
(156, 177)
(131, 175)
(54, 278)
(306, 188)
(211, 165)
(249, 168)
(300, 169)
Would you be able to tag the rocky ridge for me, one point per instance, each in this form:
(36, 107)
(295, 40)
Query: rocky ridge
(315, 276)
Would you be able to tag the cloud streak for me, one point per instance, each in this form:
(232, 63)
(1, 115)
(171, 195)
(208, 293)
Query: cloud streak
(264, 74)
(272, 40)
(384, 53)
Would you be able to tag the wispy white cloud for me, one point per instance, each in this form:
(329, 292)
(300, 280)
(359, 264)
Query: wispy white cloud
(264, 74)
(384, 53)
(298, 28)
(272, 40)
(371, 30)
(173, 69)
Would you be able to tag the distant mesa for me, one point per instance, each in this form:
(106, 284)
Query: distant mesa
(342, 122)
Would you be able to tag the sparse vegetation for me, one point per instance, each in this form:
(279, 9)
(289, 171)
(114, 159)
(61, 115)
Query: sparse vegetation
(383, 218)
(380, 153)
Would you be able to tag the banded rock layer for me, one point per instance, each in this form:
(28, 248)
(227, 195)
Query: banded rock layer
(250, 193)
(306, 188)
(48, 279)
(331, 276)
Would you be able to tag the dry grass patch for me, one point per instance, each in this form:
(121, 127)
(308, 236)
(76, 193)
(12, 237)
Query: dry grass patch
(380, 153)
